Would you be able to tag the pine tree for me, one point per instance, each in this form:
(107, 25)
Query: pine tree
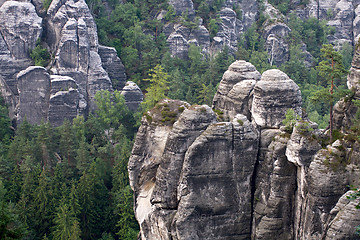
(158, 87)
(10, 226)
(92, 195)
(65, 224)
(42, 204)
(127, 224)
(332, 69)
(66, 145)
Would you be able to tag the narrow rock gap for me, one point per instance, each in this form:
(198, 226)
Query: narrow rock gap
(253, 184)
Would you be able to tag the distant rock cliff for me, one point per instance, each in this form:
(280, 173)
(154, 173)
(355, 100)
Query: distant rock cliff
(342, 15)
(235, 172)
(78, 69)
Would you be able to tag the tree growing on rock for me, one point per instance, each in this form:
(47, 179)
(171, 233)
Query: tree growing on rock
(158, 87)
(332, 69)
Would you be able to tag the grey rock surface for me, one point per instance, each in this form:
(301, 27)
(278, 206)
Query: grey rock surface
(274, 94)
(213, 195)
(276, 44)
(180, 38)
(20, 27)
(229, 30)
(346, 219)
(71, 36)
(133, 95)
(34, 93)
(249, 9)
(183, 7)
(273, 210)
(247, 178)
(65, 100)
(113, 66)
(234, 94)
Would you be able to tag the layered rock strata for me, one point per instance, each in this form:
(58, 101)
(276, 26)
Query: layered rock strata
(247, 177)
(79, 67)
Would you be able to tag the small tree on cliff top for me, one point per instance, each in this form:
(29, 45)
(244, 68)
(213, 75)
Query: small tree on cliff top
(158, 87)
(331, 68)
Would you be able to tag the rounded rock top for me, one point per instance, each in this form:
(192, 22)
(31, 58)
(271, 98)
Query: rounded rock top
(274, 75)
(241, 66)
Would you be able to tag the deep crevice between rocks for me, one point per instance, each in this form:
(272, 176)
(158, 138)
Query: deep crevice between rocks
(253, 184)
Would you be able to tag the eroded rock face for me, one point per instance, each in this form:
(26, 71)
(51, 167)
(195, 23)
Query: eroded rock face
(229, 30)
(113, 66)
(77, 69)
(213, 195)
(133, 95)
(34, 94)
(180, 38)
(183, 6)
(274, 195)
(248, 177)
(276, 43)
(20, 27)
(66, 102)
(274, 94)
(234, 94)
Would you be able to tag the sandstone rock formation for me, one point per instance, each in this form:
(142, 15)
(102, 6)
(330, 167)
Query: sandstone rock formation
(247, 177)
(34, 94)
(273, 95)
(133, 95)
(234, 94)
(79, 66)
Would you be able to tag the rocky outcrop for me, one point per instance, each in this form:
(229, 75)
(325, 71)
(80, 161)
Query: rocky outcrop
(182, 7)
(66, 102)
(77, 69)
(215, 186)
(248, 177)
(342, 22)
(20, 27)
(249, 10)
(229, 30)
(180, 38)
(234, 94)
(274, 195)
(34, 94)
(113, 66)
(274, 94)
(276, 43)
(133, 95)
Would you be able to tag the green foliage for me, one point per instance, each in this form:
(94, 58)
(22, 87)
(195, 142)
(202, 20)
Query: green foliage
(158, 87)
(332, 69)
(5, 123)
(213, 27)
(40, 55)
(281, 5)
(46, 4)
(10, 226)
(290, 120)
